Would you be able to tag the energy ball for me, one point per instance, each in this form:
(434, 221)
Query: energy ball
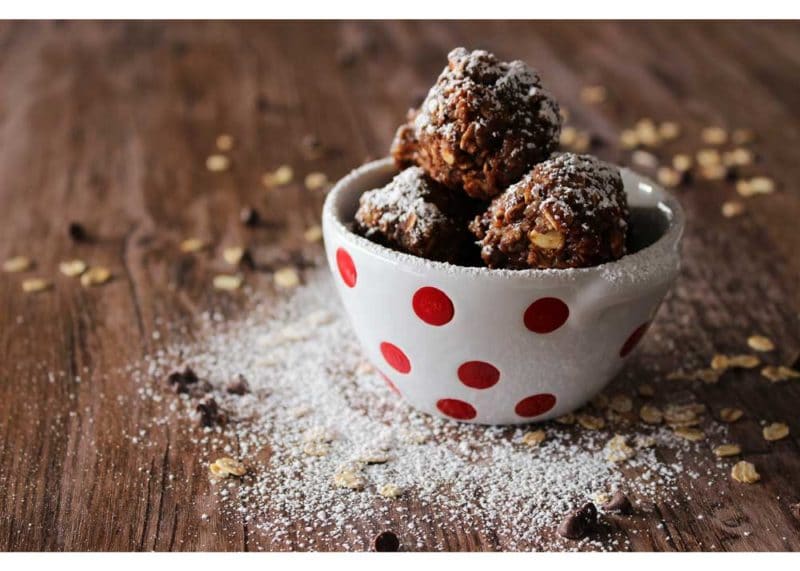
(417, 215)
(568, 212)
(482, 126)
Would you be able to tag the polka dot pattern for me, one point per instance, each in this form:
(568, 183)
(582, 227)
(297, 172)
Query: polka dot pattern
(535, 405)
(457, 409)
(545, 315)
(432, 306)
(347, 269)
(395, 357)
(478, 374)
(633, 340)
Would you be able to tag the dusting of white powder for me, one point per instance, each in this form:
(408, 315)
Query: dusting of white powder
(306, 372)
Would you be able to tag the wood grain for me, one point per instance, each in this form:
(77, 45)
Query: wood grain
(110, 124)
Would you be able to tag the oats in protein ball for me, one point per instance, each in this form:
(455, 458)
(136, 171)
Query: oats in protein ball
(590, 422)
(390, 491)
(760, 343)
(745, 473)
(286, 278)
(780, 373)
(646, 390)
(617, 449)
(218, 163)
(534, 438)
(34, 285)
(17, 264)
(726, 450)
(775, 431)
(72, 268)
(227, 282)
(94, 276)
(620, 403)
(282, 176)
(566, 419)
(730, 414)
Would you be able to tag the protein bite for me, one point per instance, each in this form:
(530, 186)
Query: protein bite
(482, 126)
(568, 212)
(416, 215)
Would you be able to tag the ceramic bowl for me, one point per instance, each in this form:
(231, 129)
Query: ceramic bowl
(499, 346)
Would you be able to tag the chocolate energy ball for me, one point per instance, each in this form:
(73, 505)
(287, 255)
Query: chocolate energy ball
(568, 212)
(482, 126)
(417, 215)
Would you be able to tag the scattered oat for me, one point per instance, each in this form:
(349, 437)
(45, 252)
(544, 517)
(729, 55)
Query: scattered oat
(33, 285)
(647, 391)
(286, 278)
(668, 177)
(730, 414)
(714, 136)
(17, 264)
(218, 163)
(726, 450)
(669, 130)
(742, 136)
(644, 159)
(647, 133)
(779, 373)
(349, 476)
(316, 181)
(620, 403)
(714, 172)
(224, 142)
(315, 448)
(227, 282)
(94, 276)
(617, 449)
(566, 419)
(732, 208)
(722, 362)
(233, 255)
(319, 434)
(72, 268)
(739, 157)
(628, 139)
(745, 473)
(775, 431)
(760, 343)
(708, 157)
(681, 415)
(754, 186)
(191, 245)
(390, 491)
(225, 467)
(651, 414)
(282, 176)
(590, 422)
(682, 162)
(313, 234)
(373, 457)
(642, 441)
(689, 433)
(593, 94)
(534, 438)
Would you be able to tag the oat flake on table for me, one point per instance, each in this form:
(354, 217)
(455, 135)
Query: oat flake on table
(299, 353)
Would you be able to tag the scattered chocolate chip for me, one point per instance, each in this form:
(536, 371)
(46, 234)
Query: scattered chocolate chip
(210, 413)
(577, 524)
(262, 104)
(199, 389)
(311, 147)
(180, 380)
(346, 56)
(386, 541)
(238, 386)
(249, 216)
(618, 503)
(77, 232)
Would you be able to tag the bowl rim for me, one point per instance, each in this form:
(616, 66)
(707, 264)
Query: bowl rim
(663, 248)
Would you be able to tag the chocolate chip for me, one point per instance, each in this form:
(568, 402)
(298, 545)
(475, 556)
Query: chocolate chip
(238, 386)
(311, 147)
(795, 508)
(618, 503)
(580, 522)
(249, 216)
(210, 413)
(77, 232)
(386, 541)
(180, 380)
(199, 389)
(262, 103)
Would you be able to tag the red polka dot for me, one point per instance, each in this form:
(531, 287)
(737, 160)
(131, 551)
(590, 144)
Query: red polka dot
(432, 306)
(535, 405)
(546, 314)
(390, 384)
(457, 409)
(634, 339)
(347, 269)
(395, 357)
(478, 374)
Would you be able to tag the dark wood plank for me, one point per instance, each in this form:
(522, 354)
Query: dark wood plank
(110, 124)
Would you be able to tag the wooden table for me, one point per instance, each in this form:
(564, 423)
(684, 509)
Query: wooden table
(110, 124)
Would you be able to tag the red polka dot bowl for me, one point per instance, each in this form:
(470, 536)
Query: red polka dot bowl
(499, 346)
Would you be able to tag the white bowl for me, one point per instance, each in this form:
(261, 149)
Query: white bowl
(499, 346)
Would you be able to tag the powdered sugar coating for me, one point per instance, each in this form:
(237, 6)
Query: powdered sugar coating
(569, 211)
(482, 125)
(415, 214)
